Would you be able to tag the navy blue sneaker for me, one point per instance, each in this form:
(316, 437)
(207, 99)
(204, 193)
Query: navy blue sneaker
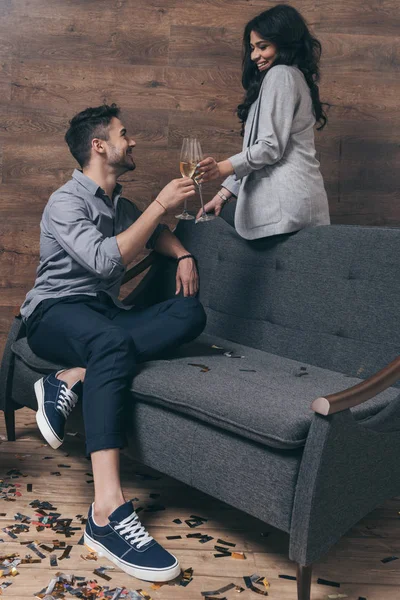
(127, 544)
(55, 402)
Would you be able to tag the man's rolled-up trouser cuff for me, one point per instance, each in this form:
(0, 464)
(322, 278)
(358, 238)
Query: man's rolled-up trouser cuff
(104, 442)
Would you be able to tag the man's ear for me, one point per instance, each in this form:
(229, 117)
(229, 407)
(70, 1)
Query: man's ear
(98, 145)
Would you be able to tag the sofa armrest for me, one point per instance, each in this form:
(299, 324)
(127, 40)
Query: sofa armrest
(359, 393)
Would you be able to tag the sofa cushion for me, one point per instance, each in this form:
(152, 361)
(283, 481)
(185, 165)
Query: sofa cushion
(263, 397)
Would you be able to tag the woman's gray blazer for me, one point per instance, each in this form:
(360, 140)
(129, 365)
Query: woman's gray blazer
(277, 180)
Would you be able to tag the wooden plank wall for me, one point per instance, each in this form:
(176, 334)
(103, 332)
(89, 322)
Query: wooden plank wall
(174, 66)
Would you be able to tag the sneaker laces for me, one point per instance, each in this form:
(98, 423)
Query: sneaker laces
(133, 531)
(66, 400)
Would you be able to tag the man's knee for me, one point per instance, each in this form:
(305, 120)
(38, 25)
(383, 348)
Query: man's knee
(193, 310)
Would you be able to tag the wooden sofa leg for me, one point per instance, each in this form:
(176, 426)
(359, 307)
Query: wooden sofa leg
(304, 582)
(9, 415)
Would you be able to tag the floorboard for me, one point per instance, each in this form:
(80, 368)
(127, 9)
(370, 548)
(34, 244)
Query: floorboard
(355, 562)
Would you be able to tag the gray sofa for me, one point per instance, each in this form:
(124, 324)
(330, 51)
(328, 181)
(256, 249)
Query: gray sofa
(271, 433)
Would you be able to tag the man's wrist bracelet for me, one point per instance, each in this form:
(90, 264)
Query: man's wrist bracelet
(160, 203)
(185, 256)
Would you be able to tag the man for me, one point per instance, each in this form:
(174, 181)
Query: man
(89, 233)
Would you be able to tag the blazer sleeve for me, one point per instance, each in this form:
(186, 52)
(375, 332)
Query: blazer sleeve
(232, 183)
(277, 107)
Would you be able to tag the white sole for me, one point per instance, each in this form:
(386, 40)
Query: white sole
(41, 419)
(138, 572)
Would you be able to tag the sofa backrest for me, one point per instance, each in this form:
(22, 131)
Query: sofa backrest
(328, 296)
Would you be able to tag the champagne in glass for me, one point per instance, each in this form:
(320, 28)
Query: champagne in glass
(187, 167)
(198, 156)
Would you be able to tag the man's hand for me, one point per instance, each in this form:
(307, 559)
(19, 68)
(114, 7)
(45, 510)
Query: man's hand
(175, 192)
(187, 277)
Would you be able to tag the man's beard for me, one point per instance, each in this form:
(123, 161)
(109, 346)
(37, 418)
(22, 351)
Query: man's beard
(122, 161)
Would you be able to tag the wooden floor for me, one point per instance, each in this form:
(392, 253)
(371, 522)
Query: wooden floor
(355, 562)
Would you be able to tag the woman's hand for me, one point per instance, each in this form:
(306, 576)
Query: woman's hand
(209, 169)
(187, 277)
(215, 205)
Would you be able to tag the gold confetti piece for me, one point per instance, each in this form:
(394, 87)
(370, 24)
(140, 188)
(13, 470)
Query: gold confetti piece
(90, 556)
(8, 557)
(204, 368)
(30, 561)
(156, 586)
(239, 555)
(187, 573)
(249, 584)
(336, 596)
(264, 581)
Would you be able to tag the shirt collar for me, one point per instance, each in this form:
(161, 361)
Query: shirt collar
(95, 189)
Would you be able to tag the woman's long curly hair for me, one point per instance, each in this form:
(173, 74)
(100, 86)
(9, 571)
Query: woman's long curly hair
(284, 26)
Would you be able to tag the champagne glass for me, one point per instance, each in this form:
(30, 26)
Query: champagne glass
(187, 167)
(198, 156)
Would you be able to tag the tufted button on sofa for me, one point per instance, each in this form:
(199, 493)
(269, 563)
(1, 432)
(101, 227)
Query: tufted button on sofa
(297, 420)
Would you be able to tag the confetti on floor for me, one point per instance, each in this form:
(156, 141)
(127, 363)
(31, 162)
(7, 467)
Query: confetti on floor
(45, 517)
(80, 587)
(256, 579)
(327, 582)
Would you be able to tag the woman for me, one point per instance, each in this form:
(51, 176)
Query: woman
(276, 178)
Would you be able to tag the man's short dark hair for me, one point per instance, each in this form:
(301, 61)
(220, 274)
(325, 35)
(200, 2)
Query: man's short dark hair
(85, 126)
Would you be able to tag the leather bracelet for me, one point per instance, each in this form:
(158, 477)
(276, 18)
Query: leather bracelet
(185, 256)
(161, 205)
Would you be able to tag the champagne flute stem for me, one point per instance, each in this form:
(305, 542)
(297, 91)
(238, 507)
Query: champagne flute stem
(201, 200)
(184, 212)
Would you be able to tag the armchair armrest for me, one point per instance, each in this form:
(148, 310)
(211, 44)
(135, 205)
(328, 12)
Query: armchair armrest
(359, 393)
(141, 266)
(7, 362)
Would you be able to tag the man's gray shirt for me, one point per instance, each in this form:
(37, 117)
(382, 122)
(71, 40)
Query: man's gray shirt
(79, 253)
